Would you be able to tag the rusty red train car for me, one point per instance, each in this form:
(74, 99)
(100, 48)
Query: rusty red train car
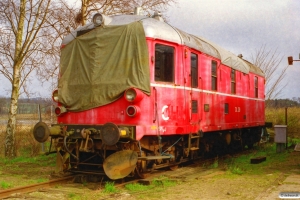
(136, 94)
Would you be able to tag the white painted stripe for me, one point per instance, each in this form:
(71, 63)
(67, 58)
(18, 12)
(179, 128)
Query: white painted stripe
(203, 91)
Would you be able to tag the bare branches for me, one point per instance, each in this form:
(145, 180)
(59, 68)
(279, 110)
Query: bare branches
(114, 7)
(269, 61)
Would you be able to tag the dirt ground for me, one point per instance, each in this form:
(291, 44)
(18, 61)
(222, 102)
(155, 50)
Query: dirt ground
(205, 182)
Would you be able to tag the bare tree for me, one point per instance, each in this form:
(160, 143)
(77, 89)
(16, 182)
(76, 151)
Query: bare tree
(269, 62)
(112, 7)
(22, 49)
(57, 25)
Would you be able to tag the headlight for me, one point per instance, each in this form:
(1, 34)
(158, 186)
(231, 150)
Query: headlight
(60, 110)
(130, 94)
(97, 19)
(55, 96)
(133, 111)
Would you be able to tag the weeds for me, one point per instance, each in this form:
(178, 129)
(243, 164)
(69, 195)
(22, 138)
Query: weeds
(5, 185)
(134, 187)
(74, 196)
(215, 165)
(156, 184)
(110, 187)
(236, 170)
(241, 164)
(39, 160)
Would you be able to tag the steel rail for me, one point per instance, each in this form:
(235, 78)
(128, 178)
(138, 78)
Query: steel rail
(31, 188)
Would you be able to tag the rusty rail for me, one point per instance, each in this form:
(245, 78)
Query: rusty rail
(31, 188)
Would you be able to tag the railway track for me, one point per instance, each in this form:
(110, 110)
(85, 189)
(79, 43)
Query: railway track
(31, 188)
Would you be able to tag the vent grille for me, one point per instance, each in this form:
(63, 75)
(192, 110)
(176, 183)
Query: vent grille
(194, 106)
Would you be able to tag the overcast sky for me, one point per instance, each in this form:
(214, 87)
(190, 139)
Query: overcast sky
(240, 26)
(243, 26)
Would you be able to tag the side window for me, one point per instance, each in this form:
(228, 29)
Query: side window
(256, 86)
(194, 70)
(232, 75)
(213, 75)
(164, 63)
(226, 108)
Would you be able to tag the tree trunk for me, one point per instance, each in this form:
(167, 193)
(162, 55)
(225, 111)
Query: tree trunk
(84, 5)
(10, 149)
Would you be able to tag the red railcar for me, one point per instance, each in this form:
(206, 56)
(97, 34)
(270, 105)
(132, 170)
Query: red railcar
(136, 93)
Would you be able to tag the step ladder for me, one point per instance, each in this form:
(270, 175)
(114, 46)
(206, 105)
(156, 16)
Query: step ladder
(193, 137)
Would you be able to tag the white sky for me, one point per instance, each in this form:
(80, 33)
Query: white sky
(240, 26)
(243, 26)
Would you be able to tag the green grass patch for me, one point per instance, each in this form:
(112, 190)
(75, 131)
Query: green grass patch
(236, 170)
(240, 165)
(110, 187)
(157, 184)
(41, 160)
(5, 185)
(136, 187)
(163, 181)
(74, 196)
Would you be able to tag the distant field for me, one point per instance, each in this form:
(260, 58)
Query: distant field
(277, 117)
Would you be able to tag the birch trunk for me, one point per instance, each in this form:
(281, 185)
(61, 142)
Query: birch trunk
(10, 150)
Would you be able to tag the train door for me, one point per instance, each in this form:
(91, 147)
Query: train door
(195, 93)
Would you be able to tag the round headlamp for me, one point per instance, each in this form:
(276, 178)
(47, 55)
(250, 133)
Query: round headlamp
(130, 94)
(97, 19)
(55, 96)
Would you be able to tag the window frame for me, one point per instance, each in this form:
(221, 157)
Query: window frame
(226, 108)
(194, 70)
(255, 86)
(214, 75)
(233, 81)
(167, 76)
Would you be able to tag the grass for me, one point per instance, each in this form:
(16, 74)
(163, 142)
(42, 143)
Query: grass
(110, 187)
(135, 187)
(163, 181)
(26, 170)
(236, 170)
(41, 160)
(241, 164)
(5, 185)
(156, 185)
(74, 196)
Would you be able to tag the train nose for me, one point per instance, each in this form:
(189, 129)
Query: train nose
(41, 132)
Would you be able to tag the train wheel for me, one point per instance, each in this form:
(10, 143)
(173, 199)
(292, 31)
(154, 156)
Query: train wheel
(139, 173)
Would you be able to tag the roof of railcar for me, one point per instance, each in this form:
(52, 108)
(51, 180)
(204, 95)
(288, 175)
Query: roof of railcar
(158, 29)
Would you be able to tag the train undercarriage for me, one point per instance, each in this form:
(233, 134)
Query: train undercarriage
(84, 150)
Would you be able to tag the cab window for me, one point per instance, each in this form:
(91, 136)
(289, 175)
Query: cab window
(164, 63)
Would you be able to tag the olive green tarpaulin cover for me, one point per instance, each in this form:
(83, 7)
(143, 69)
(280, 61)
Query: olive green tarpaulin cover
(97, 67)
